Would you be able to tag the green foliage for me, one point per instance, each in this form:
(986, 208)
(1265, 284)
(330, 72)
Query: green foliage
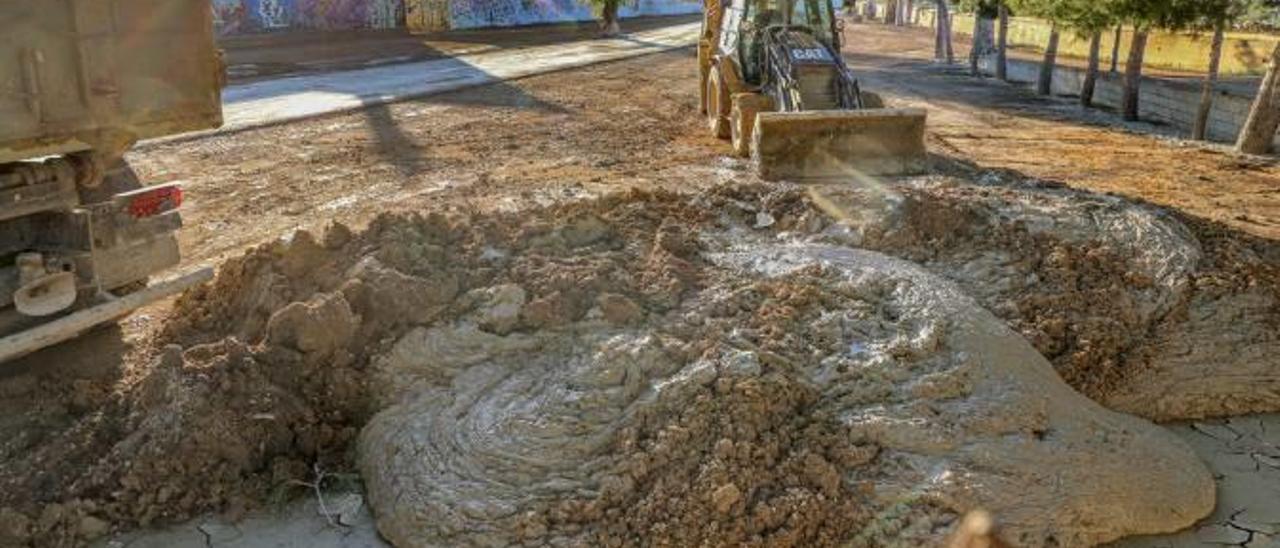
(1086, 17)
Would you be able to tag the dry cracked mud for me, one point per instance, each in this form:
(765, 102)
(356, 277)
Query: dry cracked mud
(729, 367)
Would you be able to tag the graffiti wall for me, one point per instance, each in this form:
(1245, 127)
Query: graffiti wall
(467, 14)
(246, 16)
(250, 16)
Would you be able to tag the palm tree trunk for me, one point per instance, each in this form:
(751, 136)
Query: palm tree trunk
(1091, 75)
(1200, 130)
(1260, 128)
(1045, 85)
(1002, 44)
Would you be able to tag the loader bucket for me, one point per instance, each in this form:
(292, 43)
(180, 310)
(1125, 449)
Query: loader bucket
(826, 144)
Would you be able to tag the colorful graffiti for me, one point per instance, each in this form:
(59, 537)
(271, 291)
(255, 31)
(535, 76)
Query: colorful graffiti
(244, 16)
(248, 16)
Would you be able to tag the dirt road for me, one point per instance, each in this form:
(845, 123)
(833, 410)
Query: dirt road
(252, 57)
(581, 133)
(297, 97)
(1001, 126)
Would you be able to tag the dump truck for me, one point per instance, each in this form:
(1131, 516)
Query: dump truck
(773, 82)
(81, 81)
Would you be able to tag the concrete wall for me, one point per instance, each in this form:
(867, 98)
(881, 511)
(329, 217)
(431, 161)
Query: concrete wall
(1161, 101)
(250, 16)
(1242, 53)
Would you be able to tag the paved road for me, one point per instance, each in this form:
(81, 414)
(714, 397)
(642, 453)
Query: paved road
(287, 99)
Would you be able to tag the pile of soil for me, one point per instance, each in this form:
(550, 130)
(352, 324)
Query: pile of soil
(1142, 309)
(646, 366)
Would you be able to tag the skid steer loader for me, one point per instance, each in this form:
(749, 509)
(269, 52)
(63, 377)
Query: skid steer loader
(774, 83)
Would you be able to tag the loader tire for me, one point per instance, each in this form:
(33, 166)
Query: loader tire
(872, 100)
(742, 120)
(717, 104)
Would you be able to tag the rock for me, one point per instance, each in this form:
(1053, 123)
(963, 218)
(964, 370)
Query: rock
(725, 497)
(336, 235)
(618, 309)
(92, 528)
(15, 527)
(301, 254)
(583, 231)
(544, 312)
(384, 296)
(501, 311)
(320, 325)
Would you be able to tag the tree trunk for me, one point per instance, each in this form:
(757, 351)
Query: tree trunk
(1002, 44)
(1091, 75)
(1115, 49)
(1260, 128)
(1045, 84)
(911, 12)
(975, 45)
(942, 38)
(891, 12)
(946, 39)
(609, 18)
(1200, 130)
(1133, 74)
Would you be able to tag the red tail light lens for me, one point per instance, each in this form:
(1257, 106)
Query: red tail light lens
(155, 201)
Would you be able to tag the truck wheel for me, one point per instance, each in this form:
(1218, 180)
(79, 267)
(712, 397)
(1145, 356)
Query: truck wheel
(742, 121)
(717, 104)
(872, 100)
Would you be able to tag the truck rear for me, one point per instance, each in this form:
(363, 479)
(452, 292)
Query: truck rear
(81, 81)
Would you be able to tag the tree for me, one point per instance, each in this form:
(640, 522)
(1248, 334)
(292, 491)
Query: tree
(1200, 129)
(1144, 15)
(1115, 48)
(1088, 18)
(1002, 44)
(984, 11)
(1264, 118)
(609, 25)
(942, 37)
(1044, 85)
(1091, 73)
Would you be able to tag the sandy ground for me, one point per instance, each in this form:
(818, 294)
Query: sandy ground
(609, 127)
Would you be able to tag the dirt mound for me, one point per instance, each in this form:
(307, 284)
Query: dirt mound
(1142, 310)
(635, 367)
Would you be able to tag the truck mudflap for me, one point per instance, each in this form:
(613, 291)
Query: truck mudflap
(69, 326)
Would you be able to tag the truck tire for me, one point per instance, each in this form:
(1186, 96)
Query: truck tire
(742, 120)
(872, 100)
(717, 104)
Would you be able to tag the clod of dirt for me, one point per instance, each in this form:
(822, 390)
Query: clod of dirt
(1142, 310)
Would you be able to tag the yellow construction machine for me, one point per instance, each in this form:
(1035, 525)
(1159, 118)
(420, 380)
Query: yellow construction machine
(773, 82)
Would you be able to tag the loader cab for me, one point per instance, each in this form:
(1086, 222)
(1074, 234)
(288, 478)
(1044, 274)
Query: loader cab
(745, 21)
